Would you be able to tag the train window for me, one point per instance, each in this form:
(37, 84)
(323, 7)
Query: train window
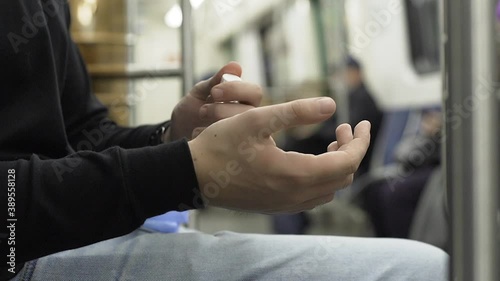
(423, 24)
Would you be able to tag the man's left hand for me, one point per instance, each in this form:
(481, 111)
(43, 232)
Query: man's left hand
(210, 101)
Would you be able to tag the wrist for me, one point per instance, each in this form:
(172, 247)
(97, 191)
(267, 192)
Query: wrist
(161, 135)
(199, 169)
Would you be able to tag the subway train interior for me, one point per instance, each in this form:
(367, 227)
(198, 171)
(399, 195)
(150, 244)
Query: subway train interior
(425, 73)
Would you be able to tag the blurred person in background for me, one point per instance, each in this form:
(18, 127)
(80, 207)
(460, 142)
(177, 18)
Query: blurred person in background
(392, 202)
(362, 106)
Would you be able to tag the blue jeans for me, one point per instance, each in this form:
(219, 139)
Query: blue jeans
(229, 256)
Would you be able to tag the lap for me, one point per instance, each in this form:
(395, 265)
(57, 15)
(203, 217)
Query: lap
(230, 256)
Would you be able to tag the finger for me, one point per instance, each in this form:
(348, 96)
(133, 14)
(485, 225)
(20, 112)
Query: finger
(197, 132)
(361, 134)
(362, 130)
(349, 156)
(264, 121)
(202, 89)
(344, 134)
(243, 92)
(334, 146)
(219, 111)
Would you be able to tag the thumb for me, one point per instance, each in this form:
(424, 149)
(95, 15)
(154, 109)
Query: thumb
(202, 89)
(267, 120)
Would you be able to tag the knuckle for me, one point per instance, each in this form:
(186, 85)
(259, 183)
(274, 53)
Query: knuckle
(240, 108)
(352, 164)
(258, 90)
(198, 86)
(218, 113)
(297, 108)
(253, 115)
(348, 181)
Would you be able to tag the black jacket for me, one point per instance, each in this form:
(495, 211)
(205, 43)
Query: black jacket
(363, 107)
(72, 176)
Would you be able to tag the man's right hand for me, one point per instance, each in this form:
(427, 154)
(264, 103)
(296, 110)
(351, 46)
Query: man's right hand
(239, 167)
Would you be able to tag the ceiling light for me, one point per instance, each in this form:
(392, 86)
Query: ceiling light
(173, 18)
(196, 3)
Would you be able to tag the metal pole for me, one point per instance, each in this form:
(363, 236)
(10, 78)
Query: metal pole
(187, 47)
(485, 132)
(458, 152)
(471, 152)
(131, 14)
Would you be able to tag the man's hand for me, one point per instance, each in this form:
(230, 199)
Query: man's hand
(209, 101)
(239, 167)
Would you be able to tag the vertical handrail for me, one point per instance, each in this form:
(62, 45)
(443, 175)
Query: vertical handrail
(485, 131)
(131, 8)
(187, 46)
(471, 135)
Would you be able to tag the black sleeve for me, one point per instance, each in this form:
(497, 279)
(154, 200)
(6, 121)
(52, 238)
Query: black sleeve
(61, 199)
(89, 197)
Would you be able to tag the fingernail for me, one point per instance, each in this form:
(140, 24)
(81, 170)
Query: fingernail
(326, 105)
(217, 93)
(203, 112)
